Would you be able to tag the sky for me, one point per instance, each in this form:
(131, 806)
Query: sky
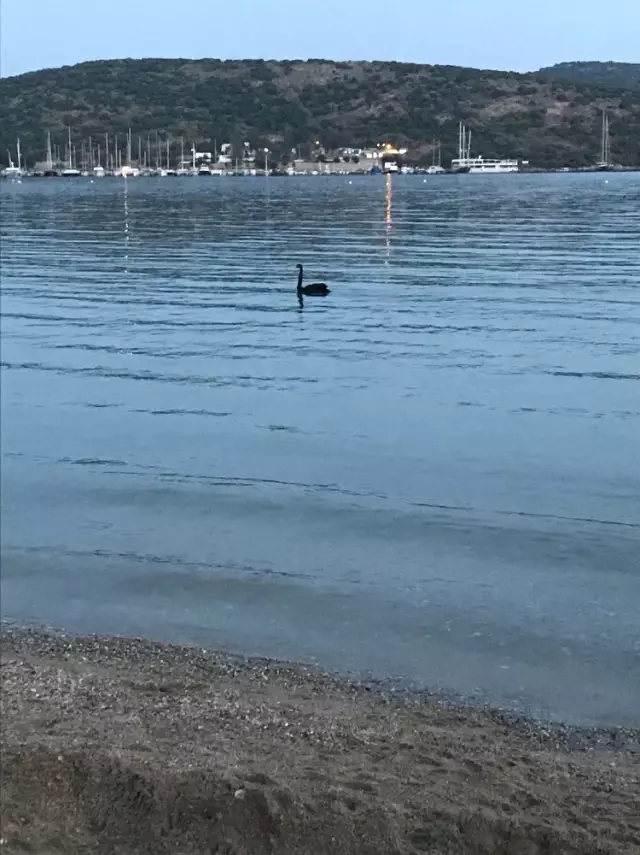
(499, 34)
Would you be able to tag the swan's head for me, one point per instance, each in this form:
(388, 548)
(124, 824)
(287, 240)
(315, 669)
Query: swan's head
(299, 266)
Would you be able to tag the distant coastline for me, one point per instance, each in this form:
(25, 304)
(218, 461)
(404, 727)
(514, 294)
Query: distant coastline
(314, 110)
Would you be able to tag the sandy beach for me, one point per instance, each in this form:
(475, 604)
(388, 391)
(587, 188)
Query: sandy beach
(128, 746)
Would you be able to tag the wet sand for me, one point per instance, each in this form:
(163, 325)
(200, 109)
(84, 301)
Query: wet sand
(128, 746)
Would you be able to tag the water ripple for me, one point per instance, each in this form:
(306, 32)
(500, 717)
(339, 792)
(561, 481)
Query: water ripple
(445, 442)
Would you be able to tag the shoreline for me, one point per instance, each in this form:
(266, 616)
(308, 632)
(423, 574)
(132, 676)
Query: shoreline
(163, 748)
(335, 172)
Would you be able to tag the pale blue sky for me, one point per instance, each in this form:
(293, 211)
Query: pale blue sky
(484, 34)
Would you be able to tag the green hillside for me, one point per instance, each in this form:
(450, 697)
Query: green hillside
(545, 118)
(611, 75)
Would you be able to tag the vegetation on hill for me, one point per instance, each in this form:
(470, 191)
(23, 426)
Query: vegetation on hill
(612, 75)
(547, 118)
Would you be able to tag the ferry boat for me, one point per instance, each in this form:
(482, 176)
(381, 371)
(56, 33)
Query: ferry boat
(484, 165)
(465, 163)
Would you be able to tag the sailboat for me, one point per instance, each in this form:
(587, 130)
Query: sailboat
(70, 170)
(604, 164)
(49, 172)
(465, 163)
(436, 168)
(169, 170)
(182, 169)
(461, 163)
(13, 171)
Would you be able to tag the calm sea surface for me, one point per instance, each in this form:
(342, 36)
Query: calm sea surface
(431, 475)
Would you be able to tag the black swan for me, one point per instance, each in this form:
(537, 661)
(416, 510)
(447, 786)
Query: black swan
(314, 289)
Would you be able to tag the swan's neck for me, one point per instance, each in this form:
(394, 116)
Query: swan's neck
(300, 277)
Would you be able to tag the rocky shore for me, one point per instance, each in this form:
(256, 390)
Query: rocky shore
(128, 746)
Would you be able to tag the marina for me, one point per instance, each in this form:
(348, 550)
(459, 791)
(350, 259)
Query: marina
(156, 157)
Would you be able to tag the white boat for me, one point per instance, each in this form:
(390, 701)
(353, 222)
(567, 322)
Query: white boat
(465, 163)
(484, 165)
(98, 171)
(13, 171)
(70, 171)
(436, 168)
(391, 158)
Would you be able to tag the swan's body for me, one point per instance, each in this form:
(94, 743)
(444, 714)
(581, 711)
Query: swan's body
(314, 289)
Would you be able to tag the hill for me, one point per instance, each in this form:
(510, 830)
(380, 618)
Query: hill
(545, 117)
(612, 75)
